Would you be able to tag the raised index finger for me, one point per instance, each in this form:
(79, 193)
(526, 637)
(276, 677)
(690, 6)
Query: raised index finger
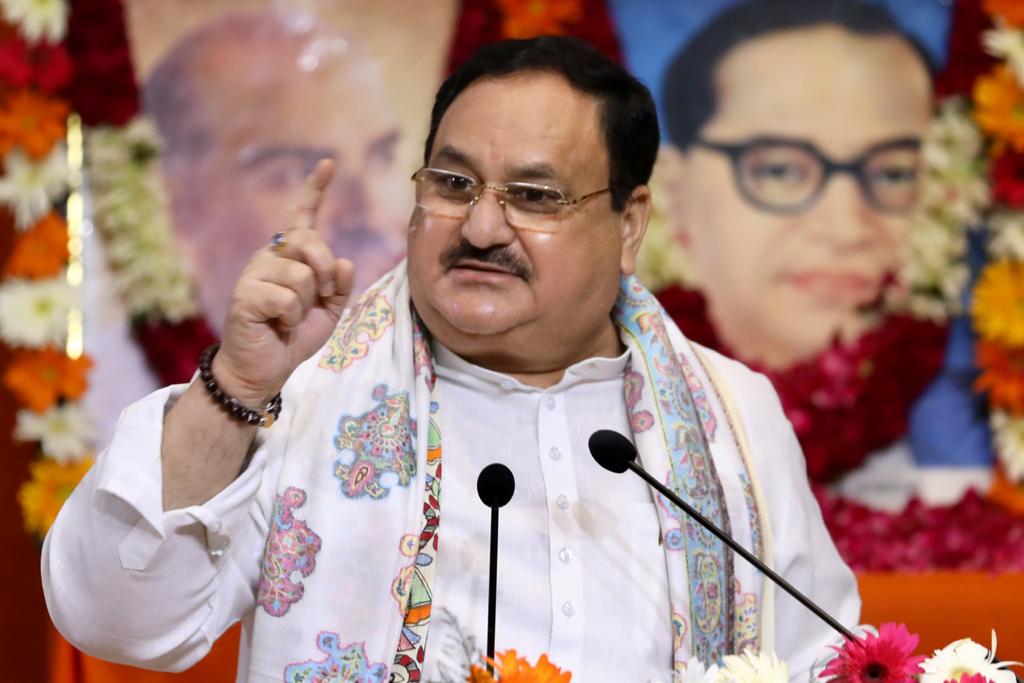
(313, 194)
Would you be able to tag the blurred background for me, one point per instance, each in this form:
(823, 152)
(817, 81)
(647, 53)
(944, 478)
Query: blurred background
(839, 203)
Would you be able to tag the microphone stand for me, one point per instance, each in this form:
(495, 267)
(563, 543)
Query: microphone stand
(492, 589)
(495, 486)
(747, 555)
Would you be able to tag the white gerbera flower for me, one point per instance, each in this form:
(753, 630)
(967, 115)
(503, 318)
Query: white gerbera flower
(66, 432)
(31, 188)
(753, 667)
(38, 20)
(34, 313)
(1009, 437)
(693, 671)
(1006, 43)
(966, 657)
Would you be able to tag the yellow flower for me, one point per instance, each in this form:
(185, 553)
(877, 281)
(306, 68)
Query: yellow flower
(513, 669)
(50, 485)
(998, 306)
(999, 106)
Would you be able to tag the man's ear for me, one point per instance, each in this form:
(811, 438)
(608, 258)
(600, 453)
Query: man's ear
(635, 216)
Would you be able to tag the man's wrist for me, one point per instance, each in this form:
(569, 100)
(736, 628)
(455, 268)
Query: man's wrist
(249, 407)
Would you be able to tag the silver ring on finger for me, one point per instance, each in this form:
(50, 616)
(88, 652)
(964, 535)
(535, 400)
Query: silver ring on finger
(278, 241)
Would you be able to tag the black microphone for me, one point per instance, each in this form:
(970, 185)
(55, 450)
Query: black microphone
(616, 453)
(495, 486)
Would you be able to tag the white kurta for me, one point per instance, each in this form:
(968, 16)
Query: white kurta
(581, 576)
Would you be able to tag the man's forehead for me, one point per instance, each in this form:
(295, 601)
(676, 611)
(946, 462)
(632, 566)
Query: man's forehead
(530, 123)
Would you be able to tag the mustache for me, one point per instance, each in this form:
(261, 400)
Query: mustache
(503, 257)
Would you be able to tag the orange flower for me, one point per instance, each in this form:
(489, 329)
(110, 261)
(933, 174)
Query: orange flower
(998, 303)
(1006, 493)
(39, 377)
(999, 106)
(1011, 11)
(529, 18)
(34, 121)
(50, 485)
(1002, 375)
(42, 251)
(513, 669)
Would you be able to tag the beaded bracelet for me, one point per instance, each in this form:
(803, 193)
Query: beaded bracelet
(263, 418)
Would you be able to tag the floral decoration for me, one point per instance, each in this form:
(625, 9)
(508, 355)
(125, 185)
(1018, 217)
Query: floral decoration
(887, 657)
(37, 20)
(997, 300)
(30, 187)
(64, 432)
(1002, 375)
(967, 658)
(34, 313)
(535, 17)
(49, 485)
(41, 251)
(38, 295)
(511, 668)
(40, 377)
(974, 534)
(1010, 11)
(35, 121)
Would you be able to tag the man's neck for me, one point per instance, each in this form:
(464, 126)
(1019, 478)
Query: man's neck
(547, 371)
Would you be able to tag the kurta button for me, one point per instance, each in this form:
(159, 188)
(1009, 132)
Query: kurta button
(550, 402)
(562, 502)
(565, 555)
(568, 609)
(554, 453)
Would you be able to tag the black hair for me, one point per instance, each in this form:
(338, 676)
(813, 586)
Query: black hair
(689, 94)
(628, 116)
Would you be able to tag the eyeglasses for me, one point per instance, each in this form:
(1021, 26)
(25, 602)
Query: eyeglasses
(447, 194)
(786, 176)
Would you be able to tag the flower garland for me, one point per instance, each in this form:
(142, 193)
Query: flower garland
(130, 200)
(39, 307)
(997, 304)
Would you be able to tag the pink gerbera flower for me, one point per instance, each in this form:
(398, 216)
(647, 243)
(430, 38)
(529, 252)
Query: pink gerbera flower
(885, 658)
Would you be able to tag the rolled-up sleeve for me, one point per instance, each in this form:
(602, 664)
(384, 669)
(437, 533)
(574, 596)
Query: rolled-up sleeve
(128, 582)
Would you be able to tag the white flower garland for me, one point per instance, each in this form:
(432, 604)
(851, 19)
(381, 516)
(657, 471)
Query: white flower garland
(131, 213)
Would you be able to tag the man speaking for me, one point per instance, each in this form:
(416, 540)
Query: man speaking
(316, 481)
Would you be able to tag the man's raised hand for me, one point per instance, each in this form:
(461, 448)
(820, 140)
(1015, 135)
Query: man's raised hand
(285, 304)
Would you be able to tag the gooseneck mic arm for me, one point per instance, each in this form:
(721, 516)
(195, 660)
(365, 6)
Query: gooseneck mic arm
(495, 486)
(616, 453)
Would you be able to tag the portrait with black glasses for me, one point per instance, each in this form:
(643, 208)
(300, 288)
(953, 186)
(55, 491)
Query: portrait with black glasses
(792, 174)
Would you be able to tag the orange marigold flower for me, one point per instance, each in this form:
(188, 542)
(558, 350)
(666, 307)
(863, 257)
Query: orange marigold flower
(999, 106)
(1011, 11)
(39, 377)
(42, 496)
(1002, 375)
(512, 669)
(33, 121)
(998, 305)
(529, 18)
(42, 251)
